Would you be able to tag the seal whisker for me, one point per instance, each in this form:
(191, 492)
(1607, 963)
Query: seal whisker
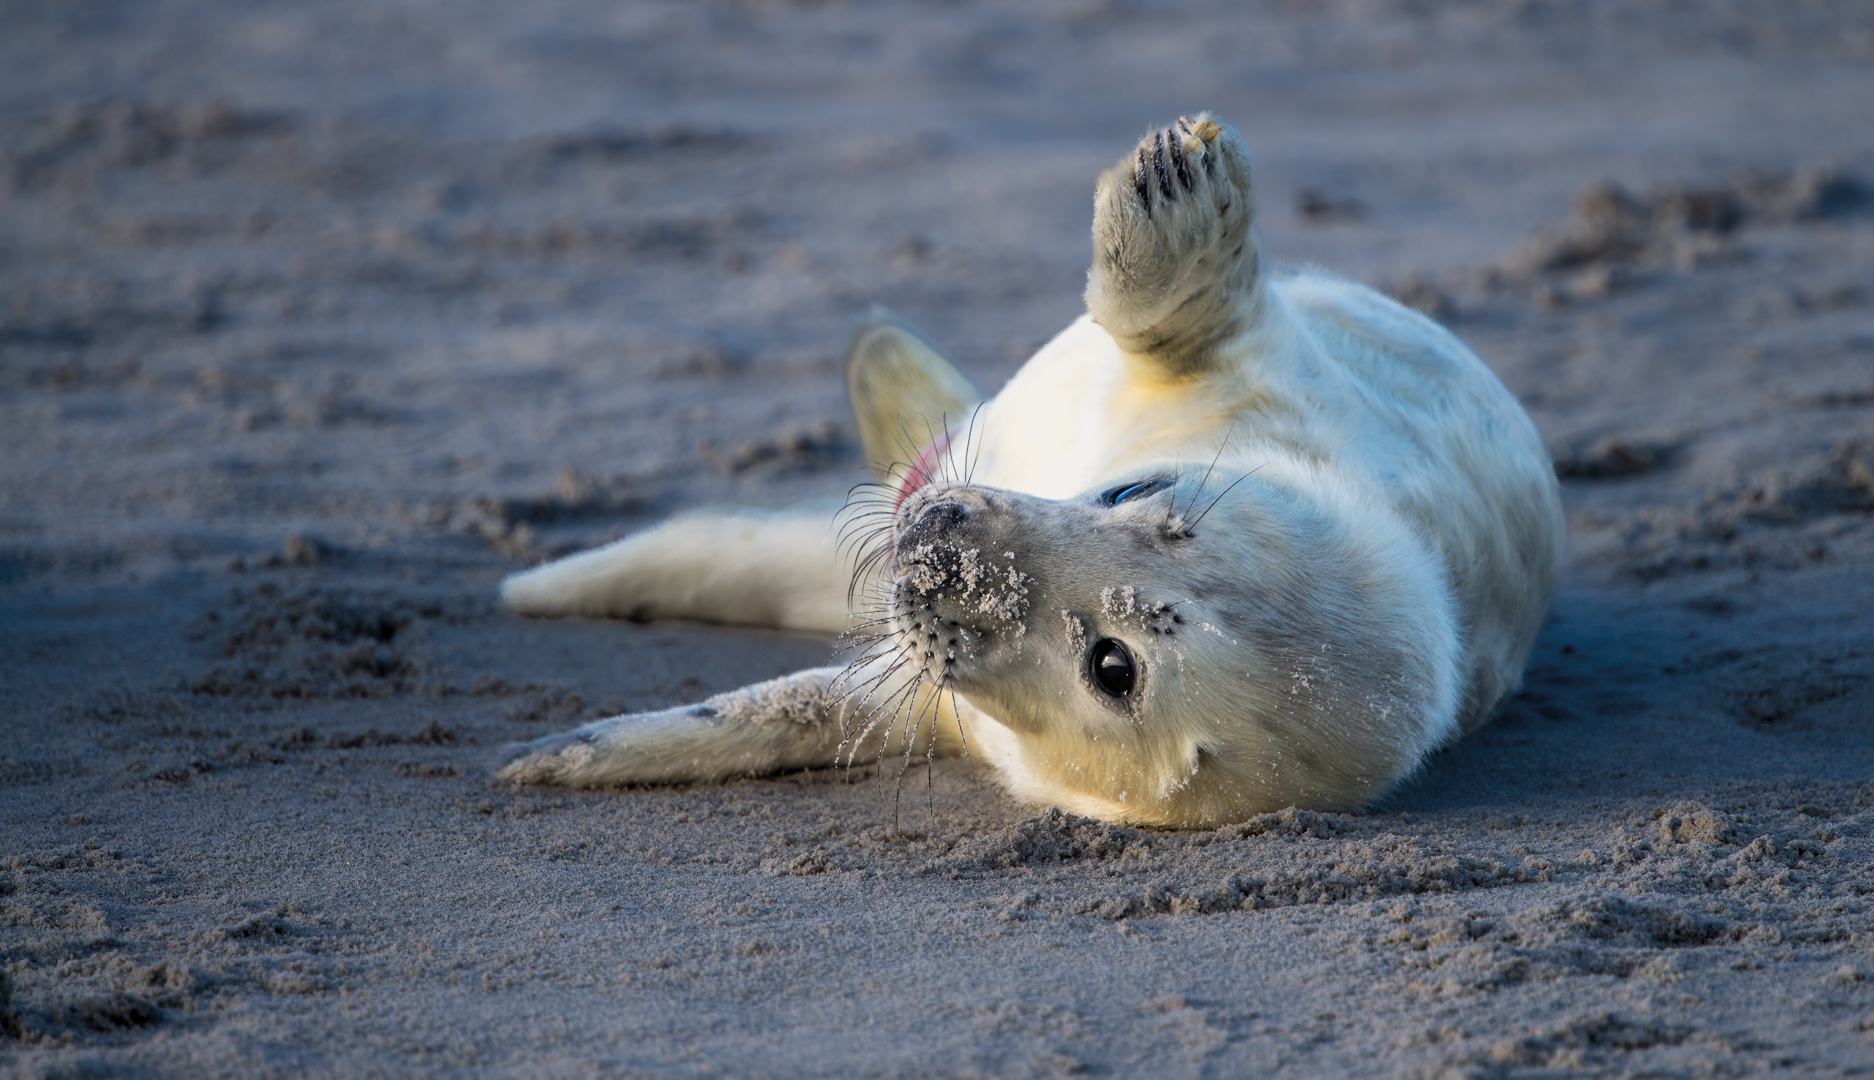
(866, 566)
(876, 609)
(863, 653)
(930, 440)
(862, 729)
(943, 460)
(906, 705)
(972, 448)
(1226, 491)
(867, 532)
(1221, 447)
(874, 684)
(914, 722)
(864, 512)
(895, 703)
(871, 547)
(871, 686)
(848, 546)
(862, 624)
(872, 681)
(858, 535)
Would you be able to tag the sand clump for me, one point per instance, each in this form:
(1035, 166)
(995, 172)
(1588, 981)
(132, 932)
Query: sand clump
(1681, 226)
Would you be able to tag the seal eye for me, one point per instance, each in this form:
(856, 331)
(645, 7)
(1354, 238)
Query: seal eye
(1111, 665)
(1128, 492)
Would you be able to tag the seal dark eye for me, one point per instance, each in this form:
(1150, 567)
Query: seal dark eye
(1137, 490)
(1112, 669)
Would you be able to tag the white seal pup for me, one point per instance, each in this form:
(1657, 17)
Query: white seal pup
(1240, 538)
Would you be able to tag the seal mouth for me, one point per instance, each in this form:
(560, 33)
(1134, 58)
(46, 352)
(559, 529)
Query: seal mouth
(923, 470)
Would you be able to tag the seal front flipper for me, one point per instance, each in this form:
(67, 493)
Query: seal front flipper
(905, 394)
(818, 718)
(749, 567)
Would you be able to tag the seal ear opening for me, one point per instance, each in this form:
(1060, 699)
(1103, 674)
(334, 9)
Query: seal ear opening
(904, 392)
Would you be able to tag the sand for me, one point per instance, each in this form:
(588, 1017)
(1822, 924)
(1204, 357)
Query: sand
(316, 320)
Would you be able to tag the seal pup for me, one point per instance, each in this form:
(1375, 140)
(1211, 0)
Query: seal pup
(1242, 537)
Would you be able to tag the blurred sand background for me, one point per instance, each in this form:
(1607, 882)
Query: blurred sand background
(318, 319)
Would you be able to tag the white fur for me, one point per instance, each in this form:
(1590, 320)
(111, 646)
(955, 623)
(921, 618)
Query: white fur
(760, 570)
(1388, 554)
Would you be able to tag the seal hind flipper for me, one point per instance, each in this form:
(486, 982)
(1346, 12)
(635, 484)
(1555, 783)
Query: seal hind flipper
(1175, 271)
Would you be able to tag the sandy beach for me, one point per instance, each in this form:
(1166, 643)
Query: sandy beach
(318, 320)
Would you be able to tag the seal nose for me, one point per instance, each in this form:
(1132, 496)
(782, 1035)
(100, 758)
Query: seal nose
(934, 521)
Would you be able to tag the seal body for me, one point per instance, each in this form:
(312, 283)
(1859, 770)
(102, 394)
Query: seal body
(1239, 538)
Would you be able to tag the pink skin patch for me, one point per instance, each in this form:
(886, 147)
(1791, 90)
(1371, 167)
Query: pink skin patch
(924, 469)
